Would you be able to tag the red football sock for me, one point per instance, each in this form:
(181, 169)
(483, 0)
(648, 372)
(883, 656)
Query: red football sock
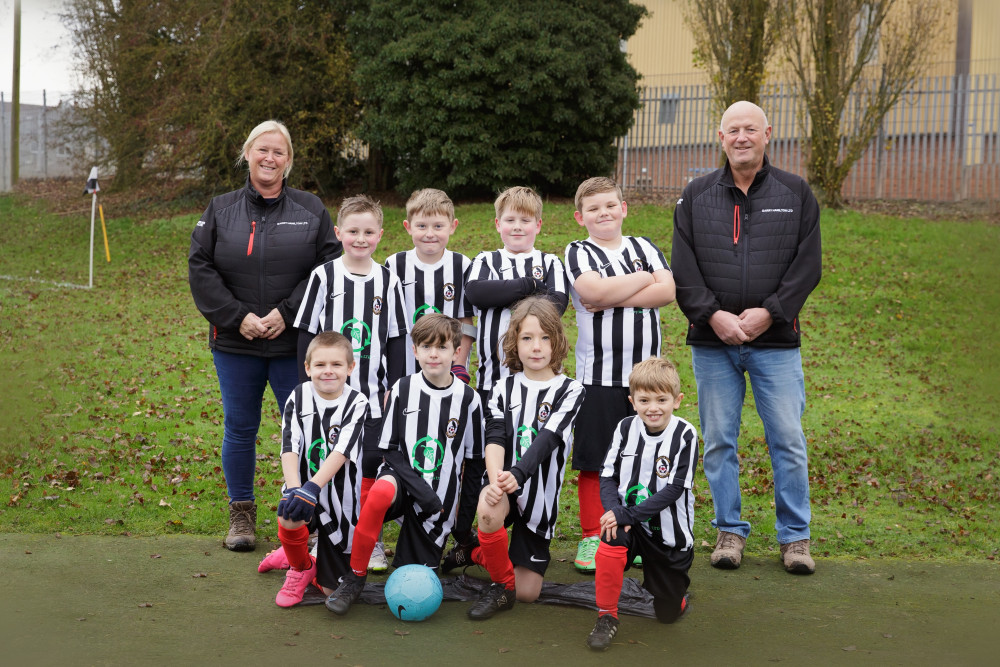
(610, 562)
(296, 544)
(477, 557)
(495, 557)
(588, 490)
(369, 524)
(366, 486)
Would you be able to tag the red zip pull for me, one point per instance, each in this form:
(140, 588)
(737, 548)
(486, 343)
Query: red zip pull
(253, 228)
(736, 224)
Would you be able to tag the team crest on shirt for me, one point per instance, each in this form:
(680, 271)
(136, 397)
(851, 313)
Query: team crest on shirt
(333, 433)
(544, 410)
(537, 272)
(638, 264)
(452, 429)
(662, 467)
(377, 305)
(428, 455)
(449, 292)
(359, 333)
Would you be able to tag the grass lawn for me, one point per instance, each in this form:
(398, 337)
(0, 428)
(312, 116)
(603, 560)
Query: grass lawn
(111, 419)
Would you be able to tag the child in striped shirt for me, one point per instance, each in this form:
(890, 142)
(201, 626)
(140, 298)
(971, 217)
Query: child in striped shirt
(648, 496)
(618, 285)
(529, 433)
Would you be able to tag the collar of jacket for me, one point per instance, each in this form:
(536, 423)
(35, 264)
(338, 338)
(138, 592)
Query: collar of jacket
(727, 174)
(256, 197)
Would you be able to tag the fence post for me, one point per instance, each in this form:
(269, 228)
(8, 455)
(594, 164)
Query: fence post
(45, 135)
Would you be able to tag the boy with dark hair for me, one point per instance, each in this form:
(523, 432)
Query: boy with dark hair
(364, 301)
(320, 441)
(618, 285)
(647, 492)
(434, 422)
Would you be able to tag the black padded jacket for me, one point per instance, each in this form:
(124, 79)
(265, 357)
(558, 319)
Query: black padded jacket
(250, 255)
(733, 251)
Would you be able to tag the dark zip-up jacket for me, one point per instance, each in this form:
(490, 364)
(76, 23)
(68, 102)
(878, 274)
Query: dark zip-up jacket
(249, 255)
(733, 251)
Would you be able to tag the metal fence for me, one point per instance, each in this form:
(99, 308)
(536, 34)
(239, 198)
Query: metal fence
(939, 143)
(42, 152)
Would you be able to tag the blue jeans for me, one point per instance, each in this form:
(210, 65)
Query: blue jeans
(242, 379)
(779, 392)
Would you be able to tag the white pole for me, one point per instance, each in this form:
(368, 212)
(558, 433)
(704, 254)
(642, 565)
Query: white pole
(93, 211)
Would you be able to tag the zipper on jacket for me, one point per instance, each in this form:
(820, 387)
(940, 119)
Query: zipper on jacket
(253, 228)
(736, 224)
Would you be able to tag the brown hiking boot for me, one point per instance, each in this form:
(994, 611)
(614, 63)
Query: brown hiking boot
(242, 526)
(728, 550)
(796, 559)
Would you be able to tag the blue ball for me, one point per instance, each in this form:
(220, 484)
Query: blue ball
(413, 592)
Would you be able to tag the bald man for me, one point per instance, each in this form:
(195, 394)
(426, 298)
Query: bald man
(746, 255)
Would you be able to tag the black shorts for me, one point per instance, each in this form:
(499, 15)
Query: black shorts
(371, 455)
(527, 548)
(602, 409)
(665, 570)
(331, 562)
(414, 545)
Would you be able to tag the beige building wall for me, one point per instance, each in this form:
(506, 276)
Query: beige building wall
(661, 48)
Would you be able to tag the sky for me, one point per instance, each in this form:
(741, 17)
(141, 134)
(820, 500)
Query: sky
(46, 62)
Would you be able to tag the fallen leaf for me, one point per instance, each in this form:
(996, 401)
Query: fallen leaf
(164, 503)
(336, 636)
(503, 650)
(81, 619)
(155, 556)
(202, 575)
(401, 633)
(145, 604)
(477, 632)
(27, 552)
(852, 647)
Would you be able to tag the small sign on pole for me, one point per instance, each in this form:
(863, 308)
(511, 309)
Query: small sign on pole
(92, 189)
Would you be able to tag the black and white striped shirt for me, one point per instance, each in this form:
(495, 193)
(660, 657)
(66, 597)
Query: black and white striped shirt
(641, 463)
(520, 409)
(613, 340)
(430, 288)
(313, 427)
(436, 429)
(492, 324)
(366, 309)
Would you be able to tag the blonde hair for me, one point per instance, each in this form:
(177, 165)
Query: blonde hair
(551, 323)
(330, 339)
(430, 202)
(655, 375)
(264, 128)
(359, 204)
(593, 186)
(520, 200)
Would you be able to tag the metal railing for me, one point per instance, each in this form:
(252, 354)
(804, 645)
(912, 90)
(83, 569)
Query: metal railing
(940, 142)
